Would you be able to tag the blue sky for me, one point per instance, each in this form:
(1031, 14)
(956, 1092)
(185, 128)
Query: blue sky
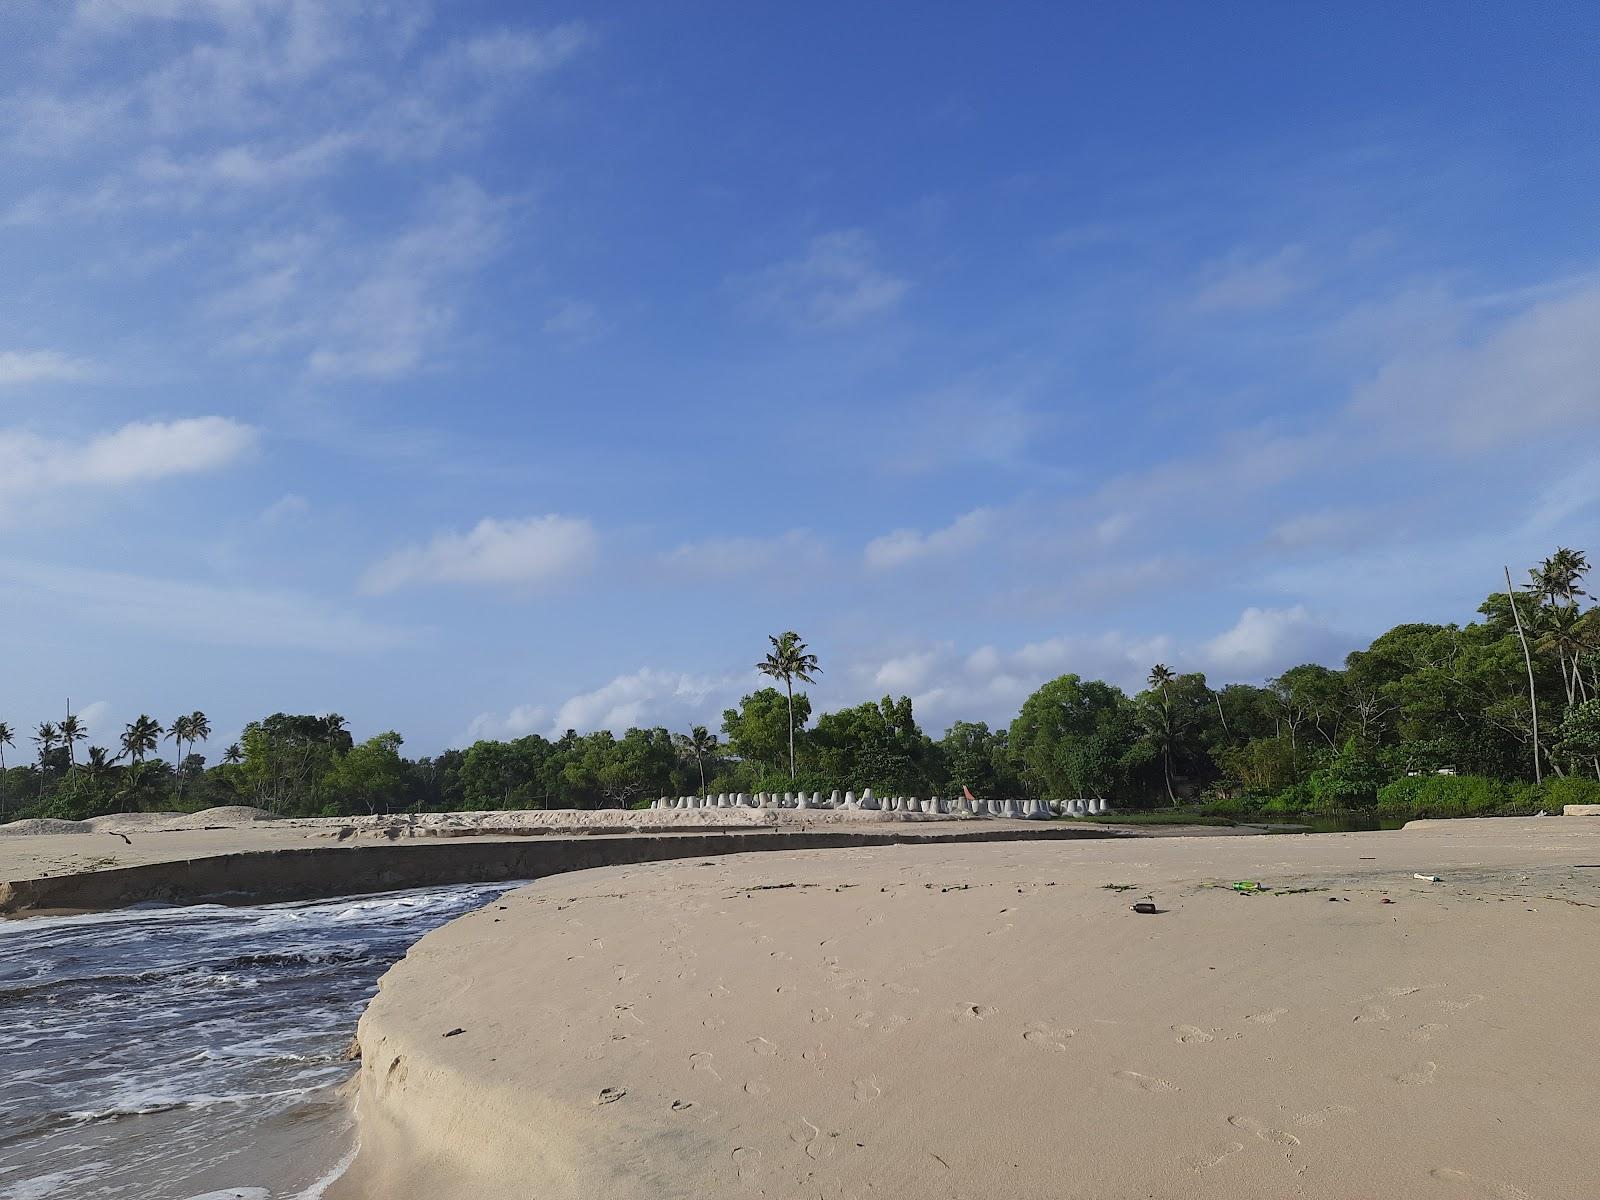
(484, 368)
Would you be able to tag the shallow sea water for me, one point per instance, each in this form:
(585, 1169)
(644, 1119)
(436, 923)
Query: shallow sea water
(178, 1053)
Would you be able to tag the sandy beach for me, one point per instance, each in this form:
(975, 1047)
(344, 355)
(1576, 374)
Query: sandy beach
(952, 1021)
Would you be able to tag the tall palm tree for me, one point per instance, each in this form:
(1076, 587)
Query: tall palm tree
(1559, 581)
(1163, 730)
(1527, 659)
(790, 660)
(177, 734)
(47, 737)
(234, 754)
(140, 737)
(7, 738)
(199, 728)
(71, 732)
(699, 743)
(98, 761)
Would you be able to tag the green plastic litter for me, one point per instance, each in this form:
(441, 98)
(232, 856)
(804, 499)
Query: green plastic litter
(1247, 885)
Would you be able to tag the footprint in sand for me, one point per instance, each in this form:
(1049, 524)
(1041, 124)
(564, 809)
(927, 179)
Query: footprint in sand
(1207, 1159)
(1269, 1017)
(865, 1090)
(809, 1138)
(1460, 1005)
(1479, 1187)
(1372, 1014)
(1315, 1120)
(1397, 992)
(819, 1015)
(1421, 1073)
(1192, 1035)
(1145, 1083)
(1047, 1036)
(756, 1088)
(700, 1060)
(1265, 1133)
(1427, 1032)
(976, 1012)
(760, 1045)
(747, 1161)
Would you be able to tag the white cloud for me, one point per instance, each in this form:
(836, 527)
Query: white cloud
(1268, 640)
(796, 552)
(35, 366)
(285, 508)
(1535, 372)
(837, 282)
(574, 321)
(373, 308)
(906, 546)
(532, 551)
(188, 613)
(31, 465)
(644, 698)
(1244, 282)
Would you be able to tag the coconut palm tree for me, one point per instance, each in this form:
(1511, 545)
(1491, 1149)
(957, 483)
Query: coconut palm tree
(71, 732)
(47, 737)
(233, 755)
(790, 660)
(177, 734)
(1159, 723)
(199, 728)
(140, 737)
(98, 762)
(7, 738)
(699, 743)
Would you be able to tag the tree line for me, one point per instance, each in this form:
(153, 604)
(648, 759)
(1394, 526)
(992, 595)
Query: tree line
(1503, 710)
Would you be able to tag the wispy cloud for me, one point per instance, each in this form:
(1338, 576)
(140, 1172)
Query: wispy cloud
(837, 282)
(188, 612)
(906, 546)
(32, 466)
(530, 552)
(35, 366)
(798, 551)
(1245, 281)
(369, 308)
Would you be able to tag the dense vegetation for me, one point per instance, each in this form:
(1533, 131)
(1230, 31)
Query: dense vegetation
(1499, 715)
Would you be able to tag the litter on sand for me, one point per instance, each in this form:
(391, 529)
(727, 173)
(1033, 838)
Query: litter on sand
(1247, 885)
(1146, 906)
(1429, 878)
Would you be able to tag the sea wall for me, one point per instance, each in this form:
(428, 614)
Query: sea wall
(312, 872)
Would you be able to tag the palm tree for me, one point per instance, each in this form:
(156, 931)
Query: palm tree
(1559, 581)
(70, 732)
(98, 762)
(790, 660)
(177, 734)
(7, 738)
(140, 737)
(1160, 725)
(1527, 659)
(199, 728)
(698, 744)
(47, 737)
(233, 754)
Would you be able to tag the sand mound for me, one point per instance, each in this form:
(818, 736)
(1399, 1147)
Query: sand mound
(129, 822)
(42, 825)
(229, 816)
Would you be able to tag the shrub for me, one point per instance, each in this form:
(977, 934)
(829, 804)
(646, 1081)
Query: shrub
(1553, 794)
(1421, 796)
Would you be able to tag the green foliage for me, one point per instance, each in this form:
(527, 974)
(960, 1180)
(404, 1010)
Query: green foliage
(1428, 720)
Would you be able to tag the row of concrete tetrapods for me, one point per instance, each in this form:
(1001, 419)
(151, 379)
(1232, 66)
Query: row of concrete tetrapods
(960, 806)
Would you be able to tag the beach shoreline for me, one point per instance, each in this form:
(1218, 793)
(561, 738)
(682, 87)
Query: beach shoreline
(947, 1020)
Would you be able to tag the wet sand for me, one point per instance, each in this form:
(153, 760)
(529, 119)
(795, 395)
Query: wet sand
(963, 1020)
